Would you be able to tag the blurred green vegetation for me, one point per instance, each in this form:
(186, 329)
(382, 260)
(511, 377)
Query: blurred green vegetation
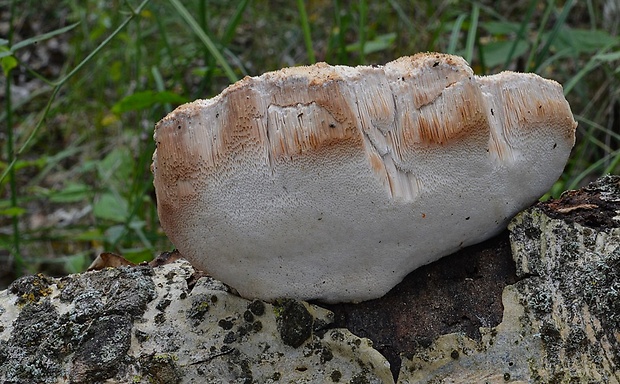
(84, 82)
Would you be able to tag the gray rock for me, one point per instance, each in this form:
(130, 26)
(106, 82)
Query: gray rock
(143, 325)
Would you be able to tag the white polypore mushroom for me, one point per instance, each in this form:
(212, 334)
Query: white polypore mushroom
(333, 183)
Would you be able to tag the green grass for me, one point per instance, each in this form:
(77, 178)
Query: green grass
(78, 136)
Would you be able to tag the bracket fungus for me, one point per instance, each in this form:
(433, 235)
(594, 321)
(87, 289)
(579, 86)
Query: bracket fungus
(333, 182)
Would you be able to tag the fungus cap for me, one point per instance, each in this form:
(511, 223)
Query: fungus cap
(334, 182)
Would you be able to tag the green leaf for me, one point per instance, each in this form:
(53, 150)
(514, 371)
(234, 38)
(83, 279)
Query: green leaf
(76, 263)
(8, 63)
(4, 52)
(146, 99)
(611, 56)
(206, 40)
(111, 207)
(138, 255)
(496, 52)
(585, 40)
(379, 43)
(114, 233)
(501, 28)
(32, 40)
(71, 193)
(42, 37)
(90, 235)
(116, 167)
(12, 211)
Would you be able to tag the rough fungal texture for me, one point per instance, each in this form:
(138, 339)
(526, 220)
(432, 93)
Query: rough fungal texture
(332, 183)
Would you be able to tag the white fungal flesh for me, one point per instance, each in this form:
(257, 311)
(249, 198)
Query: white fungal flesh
(333, 183)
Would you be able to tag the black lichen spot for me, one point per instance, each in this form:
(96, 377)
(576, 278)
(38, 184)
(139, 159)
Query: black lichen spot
(170, 276)
(435, 64)
(359, 378)
(238, 366)
(576, 342)
(257, 307)
(131, 292)
(141, 336)
(248, 316)
(294, 322)
(200, 306)
(33, 324)
(317, 348)
(162, 368)
(337, 336)
(225, 323)
(160, 318)
(102, 351)
(247, 328)
(552, 340)
(335, 376)
(531, 230)
(230, 337)
(257, 326)
(163, 304)
(454, 354)
(326, 355)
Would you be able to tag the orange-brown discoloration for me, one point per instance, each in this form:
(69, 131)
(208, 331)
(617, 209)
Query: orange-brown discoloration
(376, 163)
(292, 183)
(419, 101)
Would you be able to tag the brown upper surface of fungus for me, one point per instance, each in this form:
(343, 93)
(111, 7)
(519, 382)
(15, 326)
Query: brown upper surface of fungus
(309, 182)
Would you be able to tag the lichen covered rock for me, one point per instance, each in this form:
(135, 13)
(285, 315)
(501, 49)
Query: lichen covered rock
(212, 335)
(144, 325)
